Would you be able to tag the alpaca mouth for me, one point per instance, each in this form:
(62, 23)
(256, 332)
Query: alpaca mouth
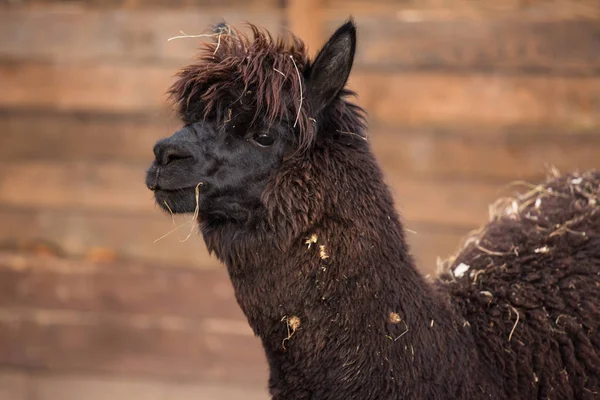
(178, 201)
(175, 190)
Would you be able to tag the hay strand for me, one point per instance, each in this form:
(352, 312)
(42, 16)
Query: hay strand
(193, 219)
(301, 94)
(516, 323)
(292, 324)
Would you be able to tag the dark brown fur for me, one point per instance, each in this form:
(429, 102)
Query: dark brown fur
(323, 273)
(538, 261)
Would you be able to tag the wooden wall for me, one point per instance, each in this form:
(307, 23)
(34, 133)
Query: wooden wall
(464, 97)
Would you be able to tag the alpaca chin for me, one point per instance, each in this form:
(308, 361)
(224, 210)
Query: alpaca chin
(178, 201)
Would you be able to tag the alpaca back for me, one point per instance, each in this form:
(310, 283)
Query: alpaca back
(528, 285)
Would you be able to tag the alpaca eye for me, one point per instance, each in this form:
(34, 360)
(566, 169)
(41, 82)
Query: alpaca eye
(264, 140)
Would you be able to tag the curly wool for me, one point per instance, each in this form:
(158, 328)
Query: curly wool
(528, 285)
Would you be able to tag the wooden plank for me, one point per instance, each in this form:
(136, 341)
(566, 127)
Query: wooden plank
(495, 45)
(51, 386)
(443, 202)
(168, 295)
(511, 153)
(85, 234)
(106, 36)
(112, 187)
(82, 137)
(69, 341)
(403, 98)
(508, 154)
(14, 386)
(304, 18)
(102, 87)
(434, 99)
(427, 243)
(411, 10)
(145, 4)
(101, 388)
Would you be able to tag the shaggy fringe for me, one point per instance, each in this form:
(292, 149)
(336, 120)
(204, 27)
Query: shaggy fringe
(264, 73)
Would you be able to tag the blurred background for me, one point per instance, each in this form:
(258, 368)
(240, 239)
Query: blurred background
(464, 97)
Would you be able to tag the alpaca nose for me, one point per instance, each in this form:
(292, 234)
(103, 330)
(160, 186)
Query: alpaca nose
(166, 153)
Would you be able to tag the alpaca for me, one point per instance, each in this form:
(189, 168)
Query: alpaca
(274, 162)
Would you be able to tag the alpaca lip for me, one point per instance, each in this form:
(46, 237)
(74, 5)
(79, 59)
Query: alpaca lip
(177, 201)
(175, 190)
(153, 184)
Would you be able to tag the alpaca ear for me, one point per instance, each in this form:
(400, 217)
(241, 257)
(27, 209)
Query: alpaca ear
(330, 70)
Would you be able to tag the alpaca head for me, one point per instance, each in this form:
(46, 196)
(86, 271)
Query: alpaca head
(249, 105)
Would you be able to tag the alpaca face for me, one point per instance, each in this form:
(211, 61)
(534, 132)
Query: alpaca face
(221, 169)
(248, 106)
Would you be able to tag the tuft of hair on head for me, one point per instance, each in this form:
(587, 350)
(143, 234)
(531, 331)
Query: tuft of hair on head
(234, 61)
(283, 84)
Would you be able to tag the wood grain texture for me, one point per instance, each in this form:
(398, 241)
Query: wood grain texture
(145, 4)
(96, 87)
(153, 291)
(428, 243)
(411, 10)
(487, 100)
(83, 137)
(495, 45)
(494, 154)
(36, 385)
(13, 386)
(88, 234)
(105, 36)
(68, 341)
(464, 96)
(305, 19)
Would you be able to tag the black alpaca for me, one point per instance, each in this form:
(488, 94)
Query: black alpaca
(274, 161)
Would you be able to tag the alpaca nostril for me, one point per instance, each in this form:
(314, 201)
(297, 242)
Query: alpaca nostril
(174, 155)
(166, 155)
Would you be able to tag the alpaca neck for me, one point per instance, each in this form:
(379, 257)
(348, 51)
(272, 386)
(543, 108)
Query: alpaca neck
(343, 300)
(354, 309)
